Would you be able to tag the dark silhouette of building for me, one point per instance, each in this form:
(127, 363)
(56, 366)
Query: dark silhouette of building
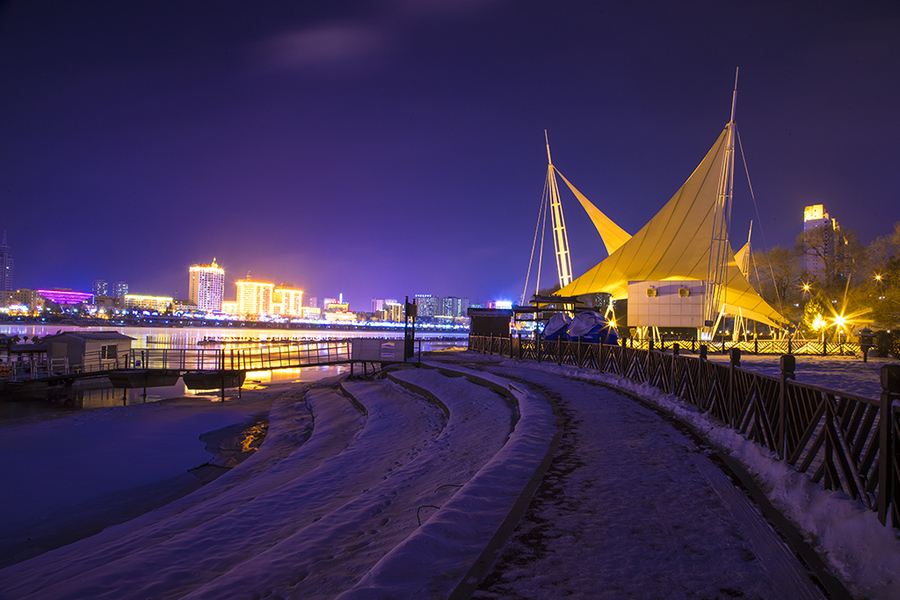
(6, 265)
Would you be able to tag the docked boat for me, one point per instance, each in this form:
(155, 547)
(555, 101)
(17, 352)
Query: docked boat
(144, 378)
(214, 380)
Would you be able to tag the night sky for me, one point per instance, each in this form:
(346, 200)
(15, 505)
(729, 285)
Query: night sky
(395, 147)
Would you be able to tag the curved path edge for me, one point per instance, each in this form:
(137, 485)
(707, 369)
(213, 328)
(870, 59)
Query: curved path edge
(449, 554)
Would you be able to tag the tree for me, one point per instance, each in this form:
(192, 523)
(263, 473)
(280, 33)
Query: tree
(880, 282)
(815, 314)
(830, 255)
(776, 276)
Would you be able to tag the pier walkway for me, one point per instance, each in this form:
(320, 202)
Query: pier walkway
(264, 357)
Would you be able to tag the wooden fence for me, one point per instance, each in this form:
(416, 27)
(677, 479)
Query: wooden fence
(756, 346)
(844, 442)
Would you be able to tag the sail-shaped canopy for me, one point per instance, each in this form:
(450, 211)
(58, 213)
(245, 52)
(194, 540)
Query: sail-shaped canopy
(742, 258)
(675, 245)
(612, 235)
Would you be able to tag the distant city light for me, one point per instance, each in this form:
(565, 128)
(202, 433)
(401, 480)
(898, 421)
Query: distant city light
(503, 304)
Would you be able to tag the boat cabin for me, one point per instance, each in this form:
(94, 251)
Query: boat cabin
(92, 350)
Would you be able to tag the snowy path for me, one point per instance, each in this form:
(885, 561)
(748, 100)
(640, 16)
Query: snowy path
(679, 529)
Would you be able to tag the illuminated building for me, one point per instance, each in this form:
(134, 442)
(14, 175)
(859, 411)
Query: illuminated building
(28, 298)
(312, 313)
(428, 305)
(157, 303)
(120, 288)
(207, 286)
(816, 219)
(393, 311)
(288, 301)
(66, 296)
(229, 307)
(254, 297)
(378, 304)
(6, 266)
(100, 288)
(340, 316)
(451, 306)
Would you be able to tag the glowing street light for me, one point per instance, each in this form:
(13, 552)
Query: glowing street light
(819, 323)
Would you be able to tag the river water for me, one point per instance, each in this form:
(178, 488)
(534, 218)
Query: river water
(98, 393)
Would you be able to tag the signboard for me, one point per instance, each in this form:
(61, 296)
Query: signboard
(377, 350)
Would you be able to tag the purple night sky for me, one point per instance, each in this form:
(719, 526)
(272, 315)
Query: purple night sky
(396, 147)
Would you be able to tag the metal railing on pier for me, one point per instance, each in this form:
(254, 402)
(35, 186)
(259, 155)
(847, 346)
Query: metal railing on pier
(261, 358)
(845, 442)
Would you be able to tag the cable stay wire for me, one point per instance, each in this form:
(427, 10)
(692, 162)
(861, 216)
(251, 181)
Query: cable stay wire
(537, 227)
(759, 220)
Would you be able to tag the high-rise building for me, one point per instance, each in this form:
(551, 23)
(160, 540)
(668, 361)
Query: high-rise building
(393, 311)
(254, 297)
(6, 266)
(451, 306)
(207, 286)
(379, 303)
(428, 305)
(100, 288)
(288, 300)
(120, 288)
(821, 234)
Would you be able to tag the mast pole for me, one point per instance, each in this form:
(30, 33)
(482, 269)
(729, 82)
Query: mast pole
(560, 238)
(734, 94)
(716, 273)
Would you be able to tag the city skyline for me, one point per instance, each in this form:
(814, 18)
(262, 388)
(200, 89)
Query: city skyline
(390, 148)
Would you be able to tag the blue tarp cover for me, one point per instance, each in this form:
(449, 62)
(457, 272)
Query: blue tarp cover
(593, 327)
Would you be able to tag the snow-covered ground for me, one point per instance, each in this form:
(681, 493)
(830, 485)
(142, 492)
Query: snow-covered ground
(332, 502)
(847, 374)
(858, 549)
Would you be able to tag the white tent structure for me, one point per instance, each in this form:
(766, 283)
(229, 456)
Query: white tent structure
(676, 245)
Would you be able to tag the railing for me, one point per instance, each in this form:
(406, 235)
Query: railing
(264, 358)
(844, 442)
(756, 346)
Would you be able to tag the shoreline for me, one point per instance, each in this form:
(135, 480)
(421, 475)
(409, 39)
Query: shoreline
(225, 447)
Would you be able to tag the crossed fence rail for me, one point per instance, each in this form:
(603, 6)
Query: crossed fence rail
(754, 346)
(844, 442)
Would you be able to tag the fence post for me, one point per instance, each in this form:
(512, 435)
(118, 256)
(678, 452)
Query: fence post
(537, 346)
(700, 375)
(491, 345)
(733, 364)
(788, 365)
(675, 349)
(890, 391)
